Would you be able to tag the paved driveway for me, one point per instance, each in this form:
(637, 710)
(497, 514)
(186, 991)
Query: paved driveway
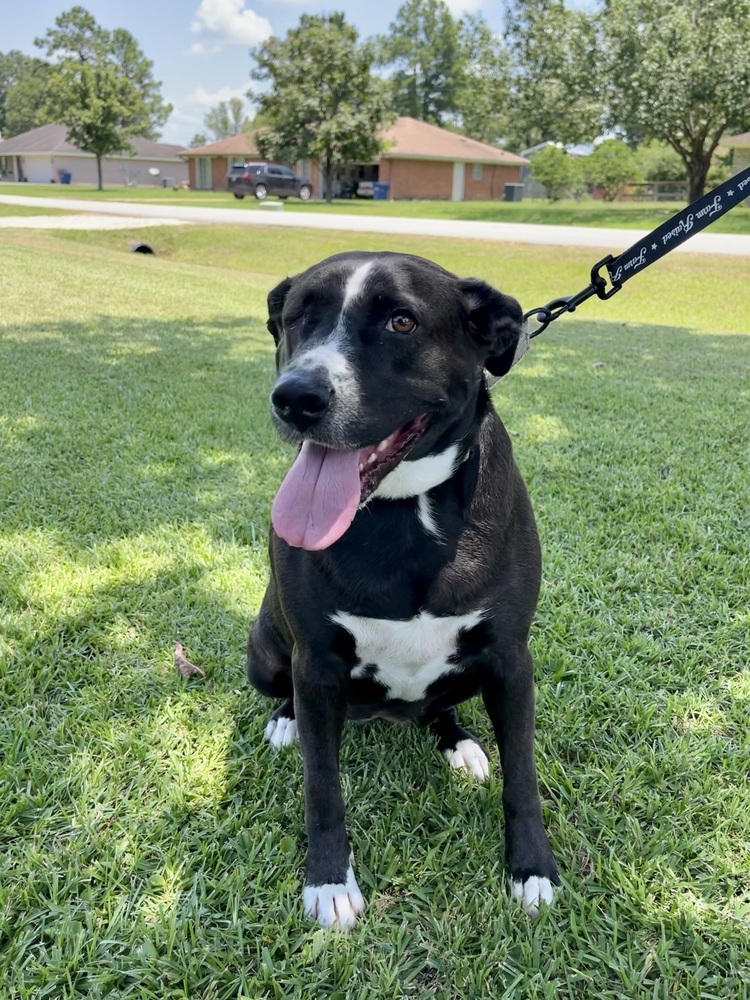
(612, 240)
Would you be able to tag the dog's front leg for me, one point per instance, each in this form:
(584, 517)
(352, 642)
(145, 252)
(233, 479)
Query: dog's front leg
(331, 893)
(508, 693)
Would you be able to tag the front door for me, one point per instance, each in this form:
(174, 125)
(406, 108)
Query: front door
(459, 174)
(203, 173)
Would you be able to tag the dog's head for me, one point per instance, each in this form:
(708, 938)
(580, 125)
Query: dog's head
(379, 355)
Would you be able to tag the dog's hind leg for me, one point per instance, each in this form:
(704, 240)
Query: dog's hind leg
(457, 744)
(281, 730)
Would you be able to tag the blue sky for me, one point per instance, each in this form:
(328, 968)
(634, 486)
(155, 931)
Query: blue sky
(200, 47)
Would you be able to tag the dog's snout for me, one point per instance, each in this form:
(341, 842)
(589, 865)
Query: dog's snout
(300, 399)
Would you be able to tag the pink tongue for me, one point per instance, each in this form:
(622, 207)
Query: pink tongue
(319, 497)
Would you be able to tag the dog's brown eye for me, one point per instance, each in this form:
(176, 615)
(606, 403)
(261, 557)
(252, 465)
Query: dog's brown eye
(401, 322)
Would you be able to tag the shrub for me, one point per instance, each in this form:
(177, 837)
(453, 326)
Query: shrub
(558, 171)
(657, 161)
(610, 166)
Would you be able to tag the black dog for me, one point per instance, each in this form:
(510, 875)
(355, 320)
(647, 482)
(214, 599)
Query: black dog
(405, 559)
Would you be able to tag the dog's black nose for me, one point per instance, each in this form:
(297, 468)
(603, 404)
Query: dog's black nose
(301, 399)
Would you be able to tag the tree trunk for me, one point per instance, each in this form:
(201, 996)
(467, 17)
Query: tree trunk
(698, 167)
(99, 171)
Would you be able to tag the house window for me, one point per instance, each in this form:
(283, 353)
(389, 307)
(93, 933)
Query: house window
(476, 171)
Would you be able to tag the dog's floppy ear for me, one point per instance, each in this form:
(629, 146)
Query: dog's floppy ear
(497, 324)
(276, 299)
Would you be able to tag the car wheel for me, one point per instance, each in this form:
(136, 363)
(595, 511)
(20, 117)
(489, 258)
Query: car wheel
(305, 192)
(240, 196)
(261, 192)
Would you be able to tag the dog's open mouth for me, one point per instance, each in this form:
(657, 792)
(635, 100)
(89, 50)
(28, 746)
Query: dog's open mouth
(320, 495)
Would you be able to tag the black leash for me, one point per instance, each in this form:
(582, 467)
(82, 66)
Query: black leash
(648, 249)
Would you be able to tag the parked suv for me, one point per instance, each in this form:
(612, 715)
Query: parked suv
(262, 179)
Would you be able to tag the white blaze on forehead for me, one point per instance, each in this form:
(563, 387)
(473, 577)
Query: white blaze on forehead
(355, 283)
(331, 355)
(328, 356)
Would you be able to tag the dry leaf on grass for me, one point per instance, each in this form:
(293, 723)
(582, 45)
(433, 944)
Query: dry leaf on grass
(187, 668)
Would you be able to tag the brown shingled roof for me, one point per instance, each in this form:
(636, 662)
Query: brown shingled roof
(415, 140)
(236, 145)
(407, 138)
(53, 138)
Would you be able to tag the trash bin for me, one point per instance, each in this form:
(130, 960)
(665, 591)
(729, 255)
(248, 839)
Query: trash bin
(168, 182)
(65, 176)
(380, 191)
(514, 192)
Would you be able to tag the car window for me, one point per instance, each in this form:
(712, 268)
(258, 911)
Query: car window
(286, 172)
(276, 171)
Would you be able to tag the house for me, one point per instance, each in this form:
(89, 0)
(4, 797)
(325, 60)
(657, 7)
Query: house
(209, 165)
(420, 161)
(43, 154)
(424, 161)
(740, 146)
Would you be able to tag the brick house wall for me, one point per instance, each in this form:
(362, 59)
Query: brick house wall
(219, 169)
(426, 179)
(491, 184)
(433, 179)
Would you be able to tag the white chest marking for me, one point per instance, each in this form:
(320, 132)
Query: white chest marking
(408, 655)
(409, 479)
(426, 517)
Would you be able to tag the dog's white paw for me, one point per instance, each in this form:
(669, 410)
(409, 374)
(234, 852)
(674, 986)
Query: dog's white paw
(335, 904)
(469, 756)
(281, 732)
(533, 892)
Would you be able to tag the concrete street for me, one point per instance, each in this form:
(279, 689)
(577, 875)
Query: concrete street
(612, 240)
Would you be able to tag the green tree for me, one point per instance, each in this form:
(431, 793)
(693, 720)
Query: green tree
(555, 93)
(23, 86)
(558, 171)
(679, 72)
(101, 86)
(224, 119)
(482, 97)
(423, 50)
(610, 167)
(324, 102)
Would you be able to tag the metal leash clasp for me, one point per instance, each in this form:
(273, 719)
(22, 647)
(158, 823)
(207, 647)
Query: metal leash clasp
(544, 315)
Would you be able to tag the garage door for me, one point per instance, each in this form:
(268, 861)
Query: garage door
(38, 169)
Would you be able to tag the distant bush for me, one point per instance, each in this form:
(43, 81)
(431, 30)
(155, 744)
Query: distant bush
(657, 161)
(558, 171)
(610, 167)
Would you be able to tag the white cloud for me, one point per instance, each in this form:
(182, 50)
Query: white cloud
(229, 22)
(201, 98)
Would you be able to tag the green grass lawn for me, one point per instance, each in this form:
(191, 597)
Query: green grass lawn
(151, 846)
(628, 215)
